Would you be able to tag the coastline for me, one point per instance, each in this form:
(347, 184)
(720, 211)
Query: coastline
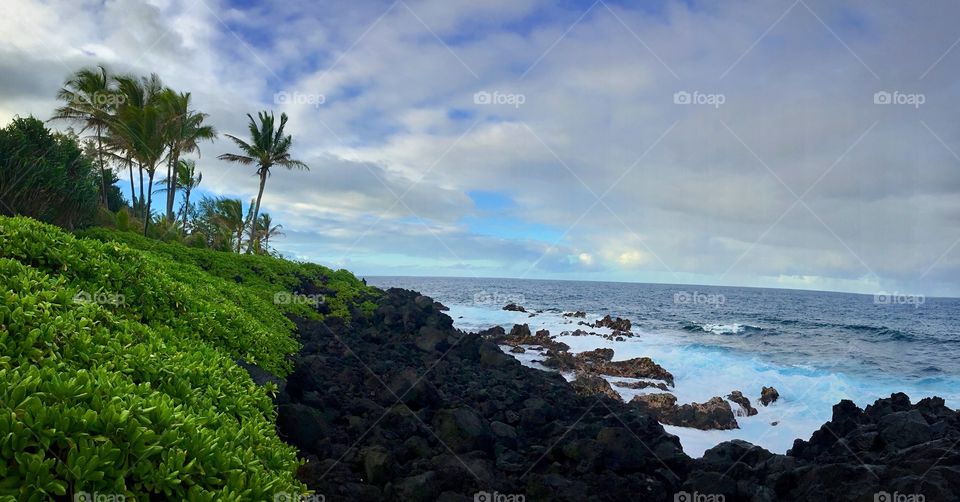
(451, 415)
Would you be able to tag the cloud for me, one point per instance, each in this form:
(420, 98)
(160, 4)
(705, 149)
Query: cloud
(797, 179)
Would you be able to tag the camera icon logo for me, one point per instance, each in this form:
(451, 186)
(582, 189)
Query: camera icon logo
(682, 98)
(482, 98)
(882, 98)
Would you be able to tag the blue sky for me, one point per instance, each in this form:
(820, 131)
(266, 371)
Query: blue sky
(527, 138)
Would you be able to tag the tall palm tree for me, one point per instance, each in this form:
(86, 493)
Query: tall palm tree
(185, 130)
(139, 128)
(268, 148)
(89, 98)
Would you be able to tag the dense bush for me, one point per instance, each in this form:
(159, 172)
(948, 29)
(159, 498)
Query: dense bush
(264, 276)
(45, 175)
(138, 394)
(158, 292)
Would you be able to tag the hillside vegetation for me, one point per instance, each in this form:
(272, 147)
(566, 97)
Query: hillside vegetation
(118, 369)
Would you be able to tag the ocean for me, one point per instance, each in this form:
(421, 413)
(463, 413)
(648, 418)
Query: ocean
(814, 347)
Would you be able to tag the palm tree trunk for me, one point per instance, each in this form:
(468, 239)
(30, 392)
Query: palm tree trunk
(143, 207)
(171, 181)
(133, 190)
(256, 209)
(103, 178)
(146, 219)
(186, 208)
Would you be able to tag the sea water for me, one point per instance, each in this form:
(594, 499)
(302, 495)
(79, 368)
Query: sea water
(815, 348)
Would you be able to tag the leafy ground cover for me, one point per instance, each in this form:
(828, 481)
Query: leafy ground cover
(118, 369)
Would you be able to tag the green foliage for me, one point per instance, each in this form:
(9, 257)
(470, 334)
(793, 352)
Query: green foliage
(105, 218)
(158, 291)
(46, 176)
(263, 276)
(123, 219)
(138, 396)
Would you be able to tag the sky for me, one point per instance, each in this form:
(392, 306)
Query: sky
(797, 144)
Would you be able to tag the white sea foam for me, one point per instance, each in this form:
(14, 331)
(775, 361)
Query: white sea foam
(807, 394)
(724, 329)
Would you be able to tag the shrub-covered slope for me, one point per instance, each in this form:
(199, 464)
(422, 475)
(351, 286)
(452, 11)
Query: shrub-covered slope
(117, 372)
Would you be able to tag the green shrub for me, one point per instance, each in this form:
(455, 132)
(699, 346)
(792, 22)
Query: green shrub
(265, 276)
(46, 175)
(122, 397)
(123, 219)
(158, 291)
(105, 218)
(196, 241)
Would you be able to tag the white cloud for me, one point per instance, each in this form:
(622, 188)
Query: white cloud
(715, 199)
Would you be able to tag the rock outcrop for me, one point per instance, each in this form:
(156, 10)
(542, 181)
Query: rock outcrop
(399, 405)
(600, 361)
(587, 384)
(891, 447)
(385, 408)
(745, 409)
(617, 324)
(714, 414)
(768, 395)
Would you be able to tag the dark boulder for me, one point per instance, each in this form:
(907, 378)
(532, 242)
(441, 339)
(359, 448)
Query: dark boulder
(642, 385)
(714, 414)
(419, 488)
(378, 465)
(599, 361)
(617, 324)
(586, 384)
(463, 430)
(513, 307)
(768, 395)
(745, 409)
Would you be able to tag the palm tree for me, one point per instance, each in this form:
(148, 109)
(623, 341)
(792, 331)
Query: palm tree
(187, 179)
(185, 130)
(90, 98)
(229, 216)
(268, 148)
(267, 230)
(139, 128)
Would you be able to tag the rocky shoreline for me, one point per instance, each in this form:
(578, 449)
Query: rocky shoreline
(402, 406)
